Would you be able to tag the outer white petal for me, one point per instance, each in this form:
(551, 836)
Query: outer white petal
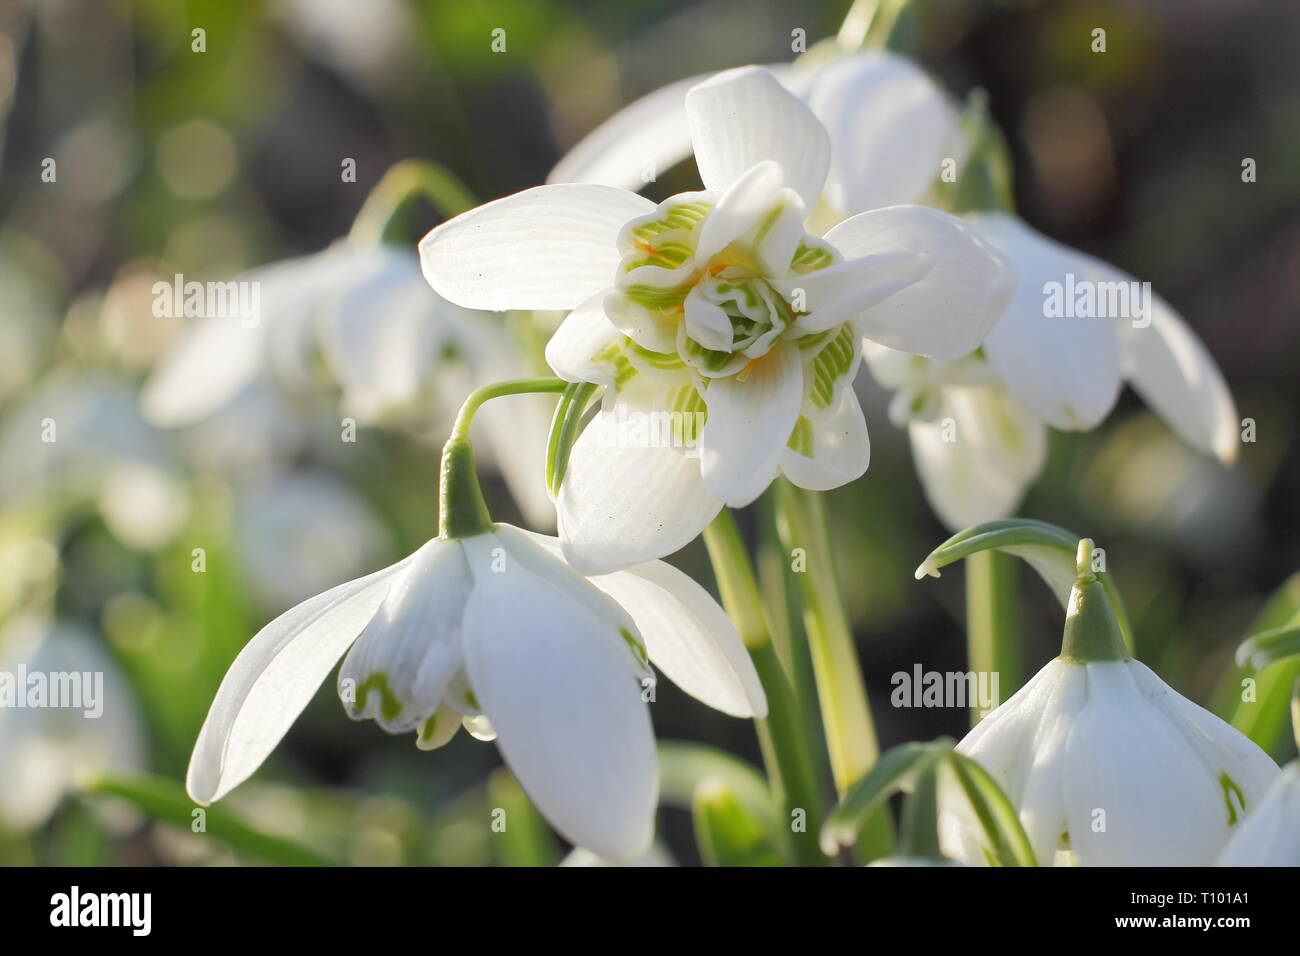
(842, 292)
(553, 678)
(749, 425)
(841, 447)
(997, 450)
(948, 311)
(1270, 835)
(1175, 374)
(1162, 804)
(584, 332)
(624, 505)
(549, 247)
(1064, 370)
(215, 360)
(650, 131)
(891, 127)
(687, 634)
(412, 644)
(272, 680)
(741, 117)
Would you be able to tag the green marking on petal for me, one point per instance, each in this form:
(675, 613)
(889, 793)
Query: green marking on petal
(657, 299)
(637, 647)
(687, 215)
(389, 706)
(613, 357)
(831, 364)
(472, 700)
(1230, 789)
(801, 438)
(428, 727)
(664, 361)
(811, 256)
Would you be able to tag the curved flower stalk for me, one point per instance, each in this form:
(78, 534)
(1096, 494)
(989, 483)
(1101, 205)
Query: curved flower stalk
(487, 627)
(47, 751)
(1108, 765)
(716, 307)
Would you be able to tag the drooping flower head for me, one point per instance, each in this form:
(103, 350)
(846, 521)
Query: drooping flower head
(717, 306)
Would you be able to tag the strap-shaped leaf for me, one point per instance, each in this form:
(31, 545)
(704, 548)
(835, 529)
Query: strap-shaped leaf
(726, 830)
(1048, 549)
(1269, 647)
(997, 817)
(895, 771)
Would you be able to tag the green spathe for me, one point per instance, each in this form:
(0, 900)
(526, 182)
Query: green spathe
(1092, 631)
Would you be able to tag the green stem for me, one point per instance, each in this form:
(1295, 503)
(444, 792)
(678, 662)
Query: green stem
(992, 641)
(462, 513)
(780, 734)
(381, 219)
(846, 715)
(920, 827)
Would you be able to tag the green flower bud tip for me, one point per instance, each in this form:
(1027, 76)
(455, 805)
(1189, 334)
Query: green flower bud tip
(1092, 631)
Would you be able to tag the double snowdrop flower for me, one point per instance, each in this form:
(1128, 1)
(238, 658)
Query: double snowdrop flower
(487, 627)
(717, 306)
(1108, 765)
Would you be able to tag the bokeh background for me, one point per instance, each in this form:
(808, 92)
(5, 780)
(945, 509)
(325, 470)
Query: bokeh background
(208, 164)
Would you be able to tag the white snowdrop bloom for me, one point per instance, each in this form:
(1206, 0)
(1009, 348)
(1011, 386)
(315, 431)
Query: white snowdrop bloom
(300, 532)
(360, 317)
(890, 128)
(495, 632)
(717, 307)
(47, 750)
(1270, 835)
(1106, 763)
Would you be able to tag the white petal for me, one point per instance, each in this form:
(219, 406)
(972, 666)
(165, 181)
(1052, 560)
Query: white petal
(842, 292)
(749, 424)
(213, 362)
(549, 247)
(400, 666)
(553, 679)
(273, 679)
(1175, 374)
(841, 450)
(756, 201)
(948, 311)
(1064, 370)
(741, 117)
(687, 634)
(996, 450)
(1270, 835)
(891, 127)
(621, 505)
(584, 332)
(649, 135)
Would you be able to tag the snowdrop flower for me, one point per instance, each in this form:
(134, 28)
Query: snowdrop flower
(1036, 370)
(1270, 836)
(717, 306)
(486, 626)
(361, 314)
(1106, 763)
(46, 751)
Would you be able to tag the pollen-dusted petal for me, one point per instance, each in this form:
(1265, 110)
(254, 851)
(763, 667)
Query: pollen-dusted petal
(274, 677)
(398, 669)
(1063, 368)
(751, 416)
(549, 247)
(744, 116)
(948, 311)
(554, 682)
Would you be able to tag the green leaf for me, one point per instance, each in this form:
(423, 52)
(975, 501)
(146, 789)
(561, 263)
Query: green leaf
(525, 839)
(1269, 647)
(1048, 549)
(163, 799)
(895, 771)
(1264, 718)
(684, 766)
(726, 831)
(997, 817)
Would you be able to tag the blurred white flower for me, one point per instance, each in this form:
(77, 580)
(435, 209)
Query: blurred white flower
(497, 633)
(298, 533)
(46, 751)
(717, 305)
(1271, 834)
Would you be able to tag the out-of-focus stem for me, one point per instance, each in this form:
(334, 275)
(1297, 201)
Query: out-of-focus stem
(992, 641)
